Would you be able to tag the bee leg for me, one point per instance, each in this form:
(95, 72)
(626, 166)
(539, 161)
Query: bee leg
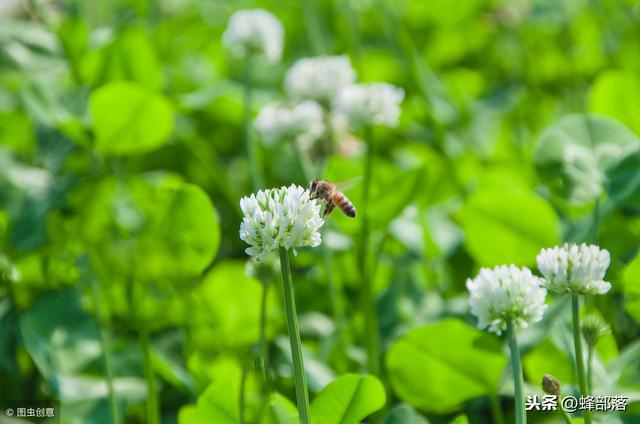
(328, 208)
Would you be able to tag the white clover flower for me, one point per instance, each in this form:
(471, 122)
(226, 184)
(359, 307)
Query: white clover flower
(302, 122)
(506, 293)
(372, 103)
(319, 78)
(573, 268)
(281, 217)
(254, 31)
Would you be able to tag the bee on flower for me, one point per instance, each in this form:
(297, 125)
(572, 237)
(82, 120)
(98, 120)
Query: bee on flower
(282, 217)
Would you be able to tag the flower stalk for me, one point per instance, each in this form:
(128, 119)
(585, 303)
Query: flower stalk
(250, 146)
(300, 379)
(518, 380)
(105, 340)
(368, 299)
(262, 341)
(577, 343)
(153, 407)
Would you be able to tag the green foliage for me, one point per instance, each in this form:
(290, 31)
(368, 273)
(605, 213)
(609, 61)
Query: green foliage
(348, 400)
(439, 366)
(493, 213)
(574, 155)
(225, 312)
(612, 94)
(122, 163)
(279, 410)
(217, 404)
(148, 227)
(129, 119)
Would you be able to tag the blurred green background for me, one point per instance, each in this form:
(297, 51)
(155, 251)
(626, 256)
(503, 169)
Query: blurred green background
(122, 165)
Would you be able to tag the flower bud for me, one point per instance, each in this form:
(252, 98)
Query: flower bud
(551, 385)
(594, 328)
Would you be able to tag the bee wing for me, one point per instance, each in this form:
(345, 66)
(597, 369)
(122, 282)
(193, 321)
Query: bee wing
(347, 184)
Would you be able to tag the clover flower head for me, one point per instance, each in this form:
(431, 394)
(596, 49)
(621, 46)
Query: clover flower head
(575, 268)
(506, 293)
(281, 217)
(372, 103)
(254, 31)
(302, 122)
(319, 78)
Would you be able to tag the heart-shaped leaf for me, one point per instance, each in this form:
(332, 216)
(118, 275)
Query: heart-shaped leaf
(348, 400)
(574, 153)
(439, 366)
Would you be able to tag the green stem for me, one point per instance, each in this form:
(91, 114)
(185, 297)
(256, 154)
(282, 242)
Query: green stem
(312, 25)
(577, 342)
(105, 340)
(518, 383)
(262, 342)
(241, 403)
(153, 411)
(496, 409)
(250, 145)
(589, 368)
(565, 415)
(372, 341)
(337, 308)
(300, 379)
(596, 221)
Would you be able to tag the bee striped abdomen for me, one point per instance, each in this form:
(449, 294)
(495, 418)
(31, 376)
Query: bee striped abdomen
(345, 205)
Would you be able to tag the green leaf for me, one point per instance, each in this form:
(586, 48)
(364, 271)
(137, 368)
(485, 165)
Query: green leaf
(227, 308)
(460, 419)
(404, 414)
(217, 405)
(348, 399)
(16, 131)
(623, 181)
(132, 57)
(439, 366)
(508, 225)
(64, 343)
(573, 154)
(615, 93)
(279, 410)
(129, 119)
(150, 227)
(59, 336)
(546, 358)
(631, 279)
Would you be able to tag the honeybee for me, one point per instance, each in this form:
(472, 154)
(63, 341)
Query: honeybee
(332, 196)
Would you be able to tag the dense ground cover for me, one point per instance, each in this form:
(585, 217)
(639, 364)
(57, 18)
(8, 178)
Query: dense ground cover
(130, 130)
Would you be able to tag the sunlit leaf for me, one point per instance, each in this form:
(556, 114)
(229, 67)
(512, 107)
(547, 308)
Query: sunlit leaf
(508, 225)
(574, 153)
(348, 400)
(615, 93)
(149, 227)
(227, 307)
(279, 410)
(217, 404)
(129, 118)
(439, 366)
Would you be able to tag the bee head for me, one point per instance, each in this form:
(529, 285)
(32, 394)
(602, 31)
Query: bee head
(313, 185)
